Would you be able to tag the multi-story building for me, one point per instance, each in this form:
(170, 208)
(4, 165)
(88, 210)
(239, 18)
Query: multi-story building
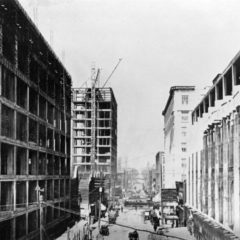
(106, 131)
(177, 118)
(213, 188)
(94, 146)
(35, 102)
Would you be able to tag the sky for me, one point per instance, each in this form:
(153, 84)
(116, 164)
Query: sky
(162, 43)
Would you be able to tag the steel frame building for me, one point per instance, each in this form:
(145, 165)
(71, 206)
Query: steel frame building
(106, 131)
(35, 107)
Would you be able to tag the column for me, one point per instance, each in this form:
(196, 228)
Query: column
(230, 170)
(199, 180)
(225, 173)
(213, 172)
(236, 148)
(216, 177)
(220, 179)
(209, 171)
(204, 202)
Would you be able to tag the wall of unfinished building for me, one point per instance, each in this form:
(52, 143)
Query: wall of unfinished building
(106, 130)
(34, 128)
(213, 177)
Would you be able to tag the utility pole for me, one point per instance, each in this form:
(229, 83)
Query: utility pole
(40, 202)
(99, 212)
(100, 200)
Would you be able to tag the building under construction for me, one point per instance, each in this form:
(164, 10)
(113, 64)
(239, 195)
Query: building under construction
(35, 104)
(94, 138)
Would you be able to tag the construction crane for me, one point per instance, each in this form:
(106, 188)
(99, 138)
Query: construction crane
(94, 79)
(119, 61)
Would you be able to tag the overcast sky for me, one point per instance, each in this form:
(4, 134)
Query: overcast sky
(163, 43)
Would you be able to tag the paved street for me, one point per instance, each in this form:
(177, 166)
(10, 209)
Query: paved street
(132, 218)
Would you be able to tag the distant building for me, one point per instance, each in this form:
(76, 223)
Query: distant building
(177, 119)
(35, 106)
(213, 188)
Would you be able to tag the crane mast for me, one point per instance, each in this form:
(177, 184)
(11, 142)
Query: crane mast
(94, 79)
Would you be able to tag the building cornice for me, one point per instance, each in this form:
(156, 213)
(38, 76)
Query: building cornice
(171, 92)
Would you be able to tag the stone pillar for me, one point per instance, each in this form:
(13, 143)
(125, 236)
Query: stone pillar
(225, 172)
(230, 170)
(236, 149)
(216, 177)
(197, 179)
(209, 171)
(212, 174)
(220, 179)
(201, 182)
(204, 175)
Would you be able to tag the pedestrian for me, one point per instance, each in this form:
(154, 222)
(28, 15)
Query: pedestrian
(121, 208)
(155, 223)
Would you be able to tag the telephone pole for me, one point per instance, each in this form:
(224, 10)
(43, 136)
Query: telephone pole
(99, 212)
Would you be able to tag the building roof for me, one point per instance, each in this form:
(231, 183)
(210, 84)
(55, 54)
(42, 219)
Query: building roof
(171, 92)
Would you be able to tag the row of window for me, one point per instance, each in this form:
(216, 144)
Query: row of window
(32, 131)
(35, 101)
(8, 227)
(30, 162)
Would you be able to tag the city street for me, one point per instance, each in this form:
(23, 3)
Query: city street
(134, 219)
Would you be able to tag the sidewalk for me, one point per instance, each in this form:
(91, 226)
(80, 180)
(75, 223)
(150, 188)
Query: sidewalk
(181, 232)
(95, 231)
(76, 232)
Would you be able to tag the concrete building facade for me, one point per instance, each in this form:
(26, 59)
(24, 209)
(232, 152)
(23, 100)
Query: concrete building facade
(35, 102)
(213, 188)
(177, 119)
